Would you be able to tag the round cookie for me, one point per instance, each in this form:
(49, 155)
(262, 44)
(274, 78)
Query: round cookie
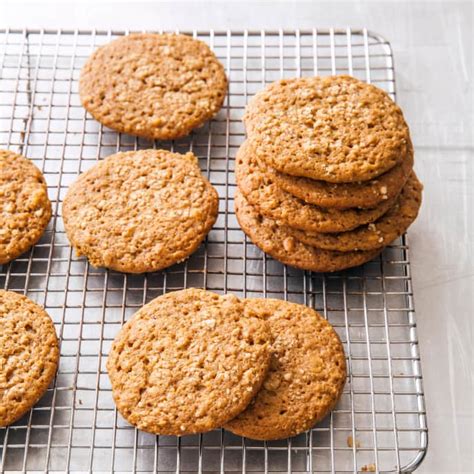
(363, 194)
(24, 203)
(377, 234)
(276, 241)
(188, 362)
(335, 128)
(158, 86)
(140, 211)
(273, 202)
(306, 376)
(29, 355)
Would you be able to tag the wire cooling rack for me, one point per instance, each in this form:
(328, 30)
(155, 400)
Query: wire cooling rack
(380, 422)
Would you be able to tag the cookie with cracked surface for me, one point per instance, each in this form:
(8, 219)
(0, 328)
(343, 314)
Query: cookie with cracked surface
(276, 241)
(335, 128)
(262, 192)
(363, 194)
(25, 206)
(188, 362)
(29, 355)
(376, 234)
(306, 376)
(158, 86)
(140, 211)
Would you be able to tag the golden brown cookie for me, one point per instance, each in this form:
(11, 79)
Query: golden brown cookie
(29, 355)
(306, 377)
(377, 234)
(140, 211)
(188, 362)
(275, 240)
(335, 128)
(157, 86)
(363, 194)
(273, 202)
(24, 203)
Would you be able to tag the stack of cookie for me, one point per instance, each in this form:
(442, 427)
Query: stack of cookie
(192, 361)
(325, 178)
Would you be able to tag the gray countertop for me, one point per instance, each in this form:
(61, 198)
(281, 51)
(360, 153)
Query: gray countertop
(433, 49)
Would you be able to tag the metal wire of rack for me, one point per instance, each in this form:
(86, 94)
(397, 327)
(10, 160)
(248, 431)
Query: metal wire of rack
(380, 422)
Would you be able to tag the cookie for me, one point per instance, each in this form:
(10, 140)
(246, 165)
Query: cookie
(306, 376)
(273, 202)
(336, 128)
(158, 86)
(25, 206)
(276, 241)
(188, 362)
(377, 234)
(363, 194)
(140, 211)
(29, 355)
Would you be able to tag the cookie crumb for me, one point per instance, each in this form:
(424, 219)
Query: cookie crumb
(271, 384)
(289, 244)
(351, 444)
(368, 468)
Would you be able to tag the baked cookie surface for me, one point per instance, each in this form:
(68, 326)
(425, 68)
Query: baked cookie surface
(334, 128)
(140, 211)
(24, 203)
(188, 362)
(273, 202)
(158, 86)
(364, 194)
(29, 355)
(275, 240)
(306, 376)
(376, 234)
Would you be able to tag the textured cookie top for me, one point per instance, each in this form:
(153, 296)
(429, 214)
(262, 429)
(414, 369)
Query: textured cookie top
(334, 128)
(273, 202)
(24, 203)
(306, 377)
(362, 194)
(140, 211)
(275, 240)
(29, 355)
(153, 85)
(188, 362)
(377, 234)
